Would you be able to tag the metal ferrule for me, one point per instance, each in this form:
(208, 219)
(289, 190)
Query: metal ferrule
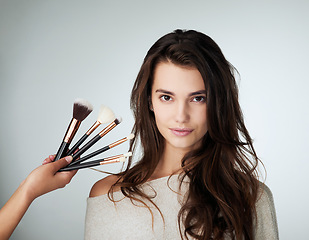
(113, 157)
(118, 142)
(94, 127)
(107, 129)
(110, 161)
(73, 127)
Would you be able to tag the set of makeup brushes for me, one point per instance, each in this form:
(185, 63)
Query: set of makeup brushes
(81, 109)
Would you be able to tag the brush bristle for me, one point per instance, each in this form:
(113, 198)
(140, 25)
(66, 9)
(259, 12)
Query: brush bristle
(131, 136)
(118, 120)
(81, 109)
(128, 154)
(106, 115)
(122, 159)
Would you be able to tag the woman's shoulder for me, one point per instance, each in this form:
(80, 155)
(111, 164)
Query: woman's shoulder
(265, 193)
(102, 186)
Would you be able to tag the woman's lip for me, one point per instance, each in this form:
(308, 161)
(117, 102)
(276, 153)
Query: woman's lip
(181, 131)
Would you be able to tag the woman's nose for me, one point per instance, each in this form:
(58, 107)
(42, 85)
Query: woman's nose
(182, 113)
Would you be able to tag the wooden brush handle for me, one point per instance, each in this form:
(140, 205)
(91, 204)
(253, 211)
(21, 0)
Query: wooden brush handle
(86, 147)
(89, 156)
(62, 151)
(81, 166)
(80, 141)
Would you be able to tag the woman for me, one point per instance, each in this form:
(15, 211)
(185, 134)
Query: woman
(197, 176)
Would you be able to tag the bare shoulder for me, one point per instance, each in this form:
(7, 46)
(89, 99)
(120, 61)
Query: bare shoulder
(102, 186)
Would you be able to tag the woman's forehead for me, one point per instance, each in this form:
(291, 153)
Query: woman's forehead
(173, 77)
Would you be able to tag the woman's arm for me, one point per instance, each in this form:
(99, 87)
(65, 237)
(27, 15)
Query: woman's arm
(266, 223)
(42, 180)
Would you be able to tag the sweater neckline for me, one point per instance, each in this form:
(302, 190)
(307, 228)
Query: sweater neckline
(151, 182)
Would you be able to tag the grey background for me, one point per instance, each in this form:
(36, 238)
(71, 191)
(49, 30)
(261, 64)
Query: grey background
(52, 52)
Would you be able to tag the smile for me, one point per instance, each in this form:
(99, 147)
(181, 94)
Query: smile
(181, 132)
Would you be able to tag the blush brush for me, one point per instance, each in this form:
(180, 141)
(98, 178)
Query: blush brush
(101, 150)
(106, 115)
(81, 109)
(96, 138)
(114, 159)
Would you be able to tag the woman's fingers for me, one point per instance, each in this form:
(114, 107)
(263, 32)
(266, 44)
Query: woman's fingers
(62, 162)
(49, 159)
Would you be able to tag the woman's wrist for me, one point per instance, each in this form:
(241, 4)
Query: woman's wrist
(26, 192)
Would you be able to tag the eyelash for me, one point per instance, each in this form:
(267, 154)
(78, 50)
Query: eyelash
(194, 99)
(202, 99)
(164, 96)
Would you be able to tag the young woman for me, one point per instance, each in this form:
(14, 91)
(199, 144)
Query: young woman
(197, 175)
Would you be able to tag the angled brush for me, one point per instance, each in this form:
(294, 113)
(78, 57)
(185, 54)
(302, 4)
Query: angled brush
(105, 115)
(101, 150)
(96, 138)
(114, 159)
(81, 109)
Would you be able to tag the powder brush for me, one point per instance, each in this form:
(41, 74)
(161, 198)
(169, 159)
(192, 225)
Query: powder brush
(114, 159)
(105, 115)
(101, 150)
(81, 109)
(96, 138)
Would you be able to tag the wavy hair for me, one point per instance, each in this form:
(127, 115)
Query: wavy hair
(223, 171)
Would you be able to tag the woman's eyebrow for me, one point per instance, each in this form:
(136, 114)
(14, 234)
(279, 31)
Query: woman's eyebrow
(200, 92)
(164, 91)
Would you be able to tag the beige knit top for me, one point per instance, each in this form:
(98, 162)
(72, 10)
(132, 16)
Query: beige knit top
(123, 220)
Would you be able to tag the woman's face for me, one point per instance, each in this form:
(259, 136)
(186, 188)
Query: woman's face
(178, 98)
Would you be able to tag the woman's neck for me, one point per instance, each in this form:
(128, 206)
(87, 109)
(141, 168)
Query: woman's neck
(170, 163)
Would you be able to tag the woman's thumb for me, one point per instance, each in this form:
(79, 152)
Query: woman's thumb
(63, 162)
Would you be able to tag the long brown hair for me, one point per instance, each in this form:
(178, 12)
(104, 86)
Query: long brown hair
(223, 170)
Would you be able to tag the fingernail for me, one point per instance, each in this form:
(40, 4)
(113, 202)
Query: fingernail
(68, 159)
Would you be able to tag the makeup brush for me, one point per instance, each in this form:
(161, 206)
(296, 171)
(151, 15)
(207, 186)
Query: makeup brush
(96, 138)
(81, 109)
(114, 159)
(101, 150)
(105, 115)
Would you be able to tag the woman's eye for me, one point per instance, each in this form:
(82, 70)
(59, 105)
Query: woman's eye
(165, 98)
(199, 99)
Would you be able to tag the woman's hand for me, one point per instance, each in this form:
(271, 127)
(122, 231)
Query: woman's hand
(46, 178)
